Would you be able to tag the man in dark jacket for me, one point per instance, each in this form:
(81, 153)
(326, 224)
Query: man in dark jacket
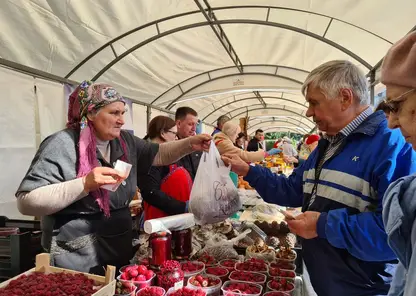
(186, 121)
(255, 143)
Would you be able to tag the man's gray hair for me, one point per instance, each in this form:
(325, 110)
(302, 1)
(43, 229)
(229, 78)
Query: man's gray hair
(332, 76)
(222, 119)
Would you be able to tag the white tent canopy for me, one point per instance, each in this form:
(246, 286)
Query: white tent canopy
(245, 57)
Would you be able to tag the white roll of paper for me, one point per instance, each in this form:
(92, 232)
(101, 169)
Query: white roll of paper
(170, 223)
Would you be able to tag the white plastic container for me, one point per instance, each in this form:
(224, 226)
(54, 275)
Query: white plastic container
(138, 284)
(262, 275)
(284, 273)
(189, 274)
(162, 291)
(236, 292)
(210, 291)
(290, 291)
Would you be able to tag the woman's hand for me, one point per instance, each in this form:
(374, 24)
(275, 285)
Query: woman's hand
(238, 166)
(101, 176)
(200, 142)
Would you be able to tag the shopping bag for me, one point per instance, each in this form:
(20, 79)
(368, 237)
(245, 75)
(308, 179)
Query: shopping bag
(214, 196)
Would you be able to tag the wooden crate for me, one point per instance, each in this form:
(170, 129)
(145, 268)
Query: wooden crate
(43, 265)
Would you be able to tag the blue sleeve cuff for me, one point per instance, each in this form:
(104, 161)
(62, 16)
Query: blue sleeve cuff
(321, 225)
(252, 174)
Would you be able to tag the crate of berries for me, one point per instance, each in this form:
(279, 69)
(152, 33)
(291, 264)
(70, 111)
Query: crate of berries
(59, 281)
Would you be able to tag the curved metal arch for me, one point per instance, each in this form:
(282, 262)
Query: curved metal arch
(282, 121)
(225, 68)
(268, 108)
(286, 128)
(233, 21)
(170, 105)
(251, 98)
(156, 22)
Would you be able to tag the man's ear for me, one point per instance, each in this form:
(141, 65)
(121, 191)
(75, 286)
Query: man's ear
(347, 98)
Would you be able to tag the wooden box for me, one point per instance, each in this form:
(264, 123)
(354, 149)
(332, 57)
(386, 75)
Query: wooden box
(43, 265)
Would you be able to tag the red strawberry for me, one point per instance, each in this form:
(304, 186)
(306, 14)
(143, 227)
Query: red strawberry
(141, 269)
(149, 274)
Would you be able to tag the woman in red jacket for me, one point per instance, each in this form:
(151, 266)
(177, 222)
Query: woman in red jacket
(165, 190)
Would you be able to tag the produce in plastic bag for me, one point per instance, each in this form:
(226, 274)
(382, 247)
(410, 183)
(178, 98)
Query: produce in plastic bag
(214, 197)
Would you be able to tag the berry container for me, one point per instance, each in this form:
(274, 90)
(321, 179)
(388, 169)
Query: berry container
(276, 293)
(264, 268)
(218, 271)
(288, 282)
(234, 277)
(172, 290)
(238, 292)
(229, 264)
(280, 272)
(188, 274)
(158, 291)
(138, 284)
(283, 264)
(210, 291)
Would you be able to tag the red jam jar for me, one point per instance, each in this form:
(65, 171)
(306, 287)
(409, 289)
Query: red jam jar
(160, 248)
(182, 243)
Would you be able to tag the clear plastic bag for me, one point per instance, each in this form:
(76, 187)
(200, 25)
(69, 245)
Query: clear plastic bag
(214, 197)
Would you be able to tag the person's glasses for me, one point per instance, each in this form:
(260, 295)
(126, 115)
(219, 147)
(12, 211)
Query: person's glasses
(394, 104)
(175, 133)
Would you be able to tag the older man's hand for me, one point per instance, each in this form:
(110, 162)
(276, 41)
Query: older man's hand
(238, 166)
(304, 224)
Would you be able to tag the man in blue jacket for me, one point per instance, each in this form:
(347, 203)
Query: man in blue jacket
(341, 185)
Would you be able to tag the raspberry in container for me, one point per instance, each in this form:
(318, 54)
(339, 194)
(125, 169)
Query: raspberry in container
(151, 291)
(281, 285)
(284, 264)
(191, 268)
(185, 291)
(248, 276)
(256, 265)
(229, 264)
(275, 293)
(235, 288)
(210, 284)
(280, 272)
(208, 260)
(218, 271)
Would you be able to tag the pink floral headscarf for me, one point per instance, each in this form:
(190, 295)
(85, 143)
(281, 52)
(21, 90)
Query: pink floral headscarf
(89, 97)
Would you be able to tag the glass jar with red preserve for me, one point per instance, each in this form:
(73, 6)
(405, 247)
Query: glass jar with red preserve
(160, 248)
(182, 243)
(170, 275)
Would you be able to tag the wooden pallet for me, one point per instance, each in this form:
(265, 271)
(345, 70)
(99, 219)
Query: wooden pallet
(43, 265)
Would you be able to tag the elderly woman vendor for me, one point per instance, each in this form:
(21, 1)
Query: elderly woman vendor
(86, 227)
